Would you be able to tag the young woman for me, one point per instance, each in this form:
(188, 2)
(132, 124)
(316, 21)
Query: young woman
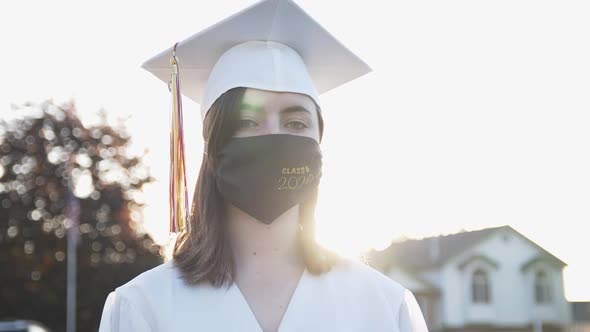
(248, 260)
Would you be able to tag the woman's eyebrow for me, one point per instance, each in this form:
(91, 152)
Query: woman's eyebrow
(297, 108)
(290, 109)
(246, 106)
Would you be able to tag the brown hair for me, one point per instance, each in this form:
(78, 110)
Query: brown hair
(204, 254)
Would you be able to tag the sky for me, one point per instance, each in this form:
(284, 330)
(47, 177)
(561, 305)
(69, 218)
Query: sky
(476, 113)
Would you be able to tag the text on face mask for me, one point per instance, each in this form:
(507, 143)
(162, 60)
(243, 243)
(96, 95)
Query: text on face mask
(295, 170)
(294, 182)
(294, 178)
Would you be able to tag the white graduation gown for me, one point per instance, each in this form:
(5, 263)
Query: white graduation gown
(350, 297)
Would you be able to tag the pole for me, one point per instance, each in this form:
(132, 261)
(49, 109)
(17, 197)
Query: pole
(73, 212)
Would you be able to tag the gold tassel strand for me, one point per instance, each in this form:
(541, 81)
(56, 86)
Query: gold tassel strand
(178, 188)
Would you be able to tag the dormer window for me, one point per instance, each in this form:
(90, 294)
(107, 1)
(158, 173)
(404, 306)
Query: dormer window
(480, 286)
(542, 287)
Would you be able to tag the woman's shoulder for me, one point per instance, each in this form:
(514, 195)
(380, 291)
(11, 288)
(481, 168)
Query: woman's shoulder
(371, 286)
(364, 273)
(139, 304)
(155, 274)
(150, 284)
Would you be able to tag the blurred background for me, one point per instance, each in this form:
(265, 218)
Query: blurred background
(458, 167)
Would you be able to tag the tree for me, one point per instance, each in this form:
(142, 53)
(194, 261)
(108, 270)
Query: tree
(41, 156)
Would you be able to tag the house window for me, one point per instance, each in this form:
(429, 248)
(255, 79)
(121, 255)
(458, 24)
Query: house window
(542, 287)
(480, 287)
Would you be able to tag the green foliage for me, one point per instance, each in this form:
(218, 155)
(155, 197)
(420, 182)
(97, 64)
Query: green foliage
(41, 156)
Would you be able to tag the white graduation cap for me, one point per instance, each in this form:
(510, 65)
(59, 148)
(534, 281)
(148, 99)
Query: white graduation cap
(271, 45)
(268, 45)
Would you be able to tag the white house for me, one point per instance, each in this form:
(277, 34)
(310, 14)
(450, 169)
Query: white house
(493, 279)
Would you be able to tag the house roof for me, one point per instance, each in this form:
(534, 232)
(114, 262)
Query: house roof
(472, 258)
(540, 258)
(419, 254)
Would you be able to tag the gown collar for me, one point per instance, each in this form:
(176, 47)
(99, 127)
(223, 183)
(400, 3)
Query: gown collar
(291, 307)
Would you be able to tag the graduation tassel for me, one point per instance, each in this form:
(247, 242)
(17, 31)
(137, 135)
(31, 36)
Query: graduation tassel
(178, 188)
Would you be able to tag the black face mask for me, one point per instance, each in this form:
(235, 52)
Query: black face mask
(266, 175)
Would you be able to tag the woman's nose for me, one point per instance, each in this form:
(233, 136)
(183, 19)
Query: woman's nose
(272, 126)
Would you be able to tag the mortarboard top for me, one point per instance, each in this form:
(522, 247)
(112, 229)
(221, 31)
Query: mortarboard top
(329, 64)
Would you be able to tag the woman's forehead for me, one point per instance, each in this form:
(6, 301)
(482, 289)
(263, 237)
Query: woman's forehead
(266, 99)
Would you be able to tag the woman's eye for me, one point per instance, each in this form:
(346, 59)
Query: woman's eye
(296, 125)
(245, 123)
